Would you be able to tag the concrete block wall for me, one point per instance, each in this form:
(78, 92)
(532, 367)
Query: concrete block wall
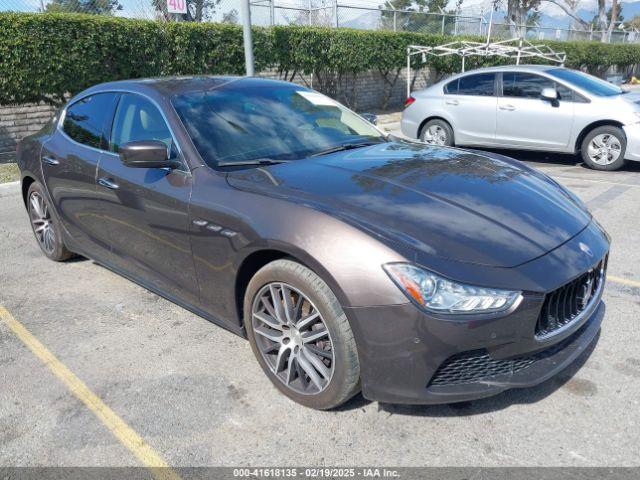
(18, 121)
(365, 92)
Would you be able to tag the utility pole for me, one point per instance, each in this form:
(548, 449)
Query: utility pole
(245, 7)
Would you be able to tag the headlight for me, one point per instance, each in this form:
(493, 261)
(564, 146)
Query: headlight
(437, 294)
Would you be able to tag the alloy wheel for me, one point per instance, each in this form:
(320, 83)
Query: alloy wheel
(435, 135)
(604, 149)
(292, 338)
(41, 222)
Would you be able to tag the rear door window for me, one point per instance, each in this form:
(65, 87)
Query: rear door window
(481, 84)
(86, 119)
(565, 93)
(451, 87)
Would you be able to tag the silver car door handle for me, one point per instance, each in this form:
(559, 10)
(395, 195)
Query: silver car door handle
(107, 182)
(507, 107)
(452, 102)
(50, 160)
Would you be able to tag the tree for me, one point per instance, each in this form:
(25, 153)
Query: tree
(100, 7)
(601, 20)
(230, 17)
(614, 15)
(606, 20)
(520, 13)
(570, 7)
(634, 22)
(416, 19)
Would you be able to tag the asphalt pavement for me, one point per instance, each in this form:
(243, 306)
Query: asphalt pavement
(102, 364)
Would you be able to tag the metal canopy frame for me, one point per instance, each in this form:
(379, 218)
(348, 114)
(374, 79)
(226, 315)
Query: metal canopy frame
(514, 48)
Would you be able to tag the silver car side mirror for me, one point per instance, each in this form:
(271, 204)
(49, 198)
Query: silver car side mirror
(549, 93)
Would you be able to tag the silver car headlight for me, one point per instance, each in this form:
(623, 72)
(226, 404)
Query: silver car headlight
(440, 295)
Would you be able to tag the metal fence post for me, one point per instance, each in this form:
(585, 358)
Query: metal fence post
(272, 12)
(246, 34)
(395, 20)
(408, 72)
(335, 12)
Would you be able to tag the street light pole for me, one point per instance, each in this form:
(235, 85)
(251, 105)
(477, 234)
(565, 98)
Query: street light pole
(245, 7)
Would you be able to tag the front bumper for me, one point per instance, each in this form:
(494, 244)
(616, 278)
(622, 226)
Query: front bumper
(402, 350)
(398, 363)
(632, 132)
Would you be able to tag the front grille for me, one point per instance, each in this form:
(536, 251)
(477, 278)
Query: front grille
(564, 304)
(477, 366)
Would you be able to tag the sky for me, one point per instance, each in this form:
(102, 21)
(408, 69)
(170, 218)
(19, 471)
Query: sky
(143, 9)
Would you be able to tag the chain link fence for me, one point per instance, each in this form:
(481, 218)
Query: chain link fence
(360, 14)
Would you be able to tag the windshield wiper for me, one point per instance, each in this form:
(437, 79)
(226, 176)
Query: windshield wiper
(254, 161)
(344, 146)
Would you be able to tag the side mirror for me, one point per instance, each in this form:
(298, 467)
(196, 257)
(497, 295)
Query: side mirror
(549, 93)
(146, 154)
(370, 117)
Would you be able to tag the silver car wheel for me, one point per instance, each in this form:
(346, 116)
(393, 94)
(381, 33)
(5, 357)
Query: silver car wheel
(41, 222)
(604, 149)
(435, 135)
(293, 338)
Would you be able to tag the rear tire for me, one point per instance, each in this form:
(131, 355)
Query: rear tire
(603, 148)
(45, 225)
(437, 132)
(321, 373)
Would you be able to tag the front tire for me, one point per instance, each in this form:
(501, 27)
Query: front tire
(45, 225)
(300, 335)
(437, 132)
(604, 148)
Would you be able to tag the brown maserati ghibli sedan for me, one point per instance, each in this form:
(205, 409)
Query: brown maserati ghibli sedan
(352, 261)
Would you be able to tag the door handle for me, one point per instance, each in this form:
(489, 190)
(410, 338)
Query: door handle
(50, 160)
(452, 102)
(107, 182)
(510, 108)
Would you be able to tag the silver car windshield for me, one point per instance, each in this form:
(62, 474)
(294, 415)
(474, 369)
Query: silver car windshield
(245, 123)
(589, 83)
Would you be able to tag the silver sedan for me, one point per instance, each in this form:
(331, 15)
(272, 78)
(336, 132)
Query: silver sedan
(529, 107)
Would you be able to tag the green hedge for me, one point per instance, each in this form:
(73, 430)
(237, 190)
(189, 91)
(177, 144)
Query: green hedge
(45, 56)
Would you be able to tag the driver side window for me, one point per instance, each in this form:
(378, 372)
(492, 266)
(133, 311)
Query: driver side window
(138, 119)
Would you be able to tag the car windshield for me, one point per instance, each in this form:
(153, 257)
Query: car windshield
(239, 123)
(587, 82)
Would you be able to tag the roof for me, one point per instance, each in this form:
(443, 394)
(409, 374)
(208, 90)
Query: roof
(521, 68)
(175, 85)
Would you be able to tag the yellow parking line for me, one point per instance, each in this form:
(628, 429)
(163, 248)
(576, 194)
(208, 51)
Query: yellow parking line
(624, 281)
(123, 432)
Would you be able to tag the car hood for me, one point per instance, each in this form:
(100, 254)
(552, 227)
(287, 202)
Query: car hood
(449, 203)
(630, 99)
